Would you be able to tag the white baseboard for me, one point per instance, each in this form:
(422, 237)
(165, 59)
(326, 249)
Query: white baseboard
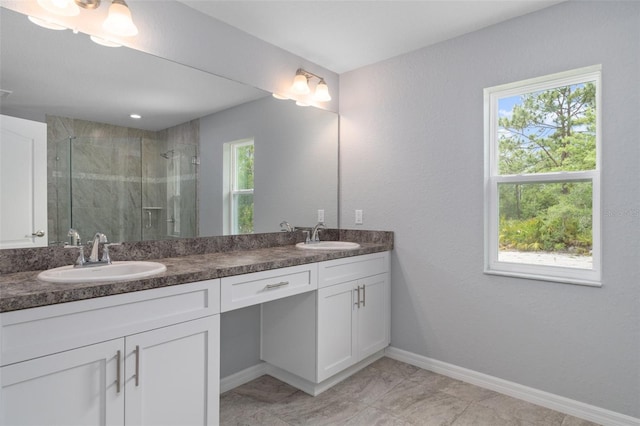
(535, 396)
(241, 377)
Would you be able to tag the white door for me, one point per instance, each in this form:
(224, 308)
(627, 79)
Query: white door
(76, 387)
(373, 315)
(23, 183)
(336, 329)
(172, 375)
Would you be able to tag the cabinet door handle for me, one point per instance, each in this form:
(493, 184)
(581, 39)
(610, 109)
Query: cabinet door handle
(137, 365)
(118, 371)
(364, 295)
(276, 285)
(357, 304)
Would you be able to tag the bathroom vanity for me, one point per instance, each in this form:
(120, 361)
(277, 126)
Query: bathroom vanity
(147, 352)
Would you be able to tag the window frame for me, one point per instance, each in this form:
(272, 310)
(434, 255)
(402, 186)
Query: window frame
(589, 277)
(231, 178)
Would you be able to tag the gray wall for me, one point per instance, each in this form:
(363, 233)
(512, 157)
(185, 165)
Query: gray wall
(412, 158)
(296, 163)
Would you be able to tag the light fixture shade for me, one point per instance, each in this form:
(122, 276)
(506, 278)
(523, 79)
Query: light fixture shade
(322, 92)
(46, 24)
(119, 20)
(300, 85)
(60, 7)
(104, 42)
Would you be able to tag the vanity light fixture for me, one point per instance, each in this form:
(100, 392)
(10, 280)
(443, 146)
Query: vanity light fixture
(60, 7)
(46, 24)
(135, 116)
(301, 85)
(104, 42)
(118, 21)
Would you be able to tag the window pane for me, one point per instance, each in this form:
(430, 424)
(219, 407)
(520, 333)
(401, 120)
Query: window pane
(546, 224)
(244, 167)
(243, 208)
(548, 131)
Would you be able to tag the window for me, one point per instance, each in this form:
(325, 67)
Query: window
(239, 196)
(542, 178)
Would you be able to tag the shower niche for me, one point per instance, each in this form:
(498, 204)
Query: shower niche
(130, 184)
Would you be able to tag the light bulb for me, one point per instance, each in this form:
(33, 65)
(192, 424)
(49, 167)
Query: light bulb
(119, 20)
(60, 7)
(300, 85)
(322, 92)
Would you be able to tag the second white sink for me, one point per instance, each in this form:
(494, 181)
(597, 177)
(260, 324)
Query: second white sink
(329, 245)
(117, 271)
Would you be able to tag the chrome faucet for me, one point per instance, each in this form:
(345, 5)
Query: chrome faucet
(93, 260)
(74, 238)
(286, 226)
(97, 239)
(314, 233)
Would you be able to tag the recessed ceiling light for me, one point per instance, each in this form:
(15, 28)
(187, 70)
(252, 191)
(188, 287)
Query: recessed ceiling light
(135, 116)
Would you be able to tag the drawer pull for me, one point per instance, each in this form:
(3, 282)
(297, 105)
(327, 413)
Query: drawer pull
(364, 295)
(137, 365)
(276, 285)
(118, 372)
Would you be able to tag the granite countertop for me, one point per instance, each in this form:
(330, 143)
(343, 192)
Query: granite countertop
(22, 290)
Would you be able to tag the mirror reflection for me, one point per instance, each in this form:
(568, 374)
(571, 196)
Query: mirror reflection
(178, 171)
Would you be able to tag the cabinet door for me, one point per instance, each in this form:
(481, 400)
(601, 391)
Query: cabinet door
(172, 374)
(76, 387)
(336, 329)
(373, 315)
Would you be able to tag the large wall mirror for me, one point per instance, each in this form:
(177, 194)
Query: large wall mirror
(182, 170)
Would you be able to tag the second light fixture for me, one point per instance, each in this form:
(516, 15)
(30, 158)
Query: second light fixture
(301, 85)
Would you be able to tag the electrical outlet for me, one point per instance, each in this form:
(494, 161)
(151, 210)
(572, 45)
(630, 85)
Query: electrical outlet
(358, 217)
(321, 215)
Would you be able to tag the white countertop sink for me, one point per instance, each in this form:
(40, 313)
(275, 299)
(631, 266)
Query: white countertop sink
(329, 245)
(117, 271)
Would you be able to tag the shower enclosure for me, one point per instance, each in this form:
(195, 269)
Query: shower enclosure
(131, 188)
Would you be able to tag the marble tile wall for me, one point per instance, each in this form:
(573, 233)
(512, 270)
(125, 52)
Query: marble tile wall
(115, 173)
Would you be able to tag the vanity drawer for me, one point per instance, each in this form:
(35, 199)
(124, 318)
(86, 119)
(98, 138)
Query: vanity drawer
(259, 287)
(346, 269)
(36, 332)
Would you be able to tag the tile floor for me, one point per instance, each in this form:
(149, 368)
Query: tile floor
(387, 392)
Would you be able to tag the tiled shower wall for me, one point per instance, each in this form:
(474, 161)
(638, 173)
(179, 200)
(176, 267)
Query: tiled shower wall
(120, 184)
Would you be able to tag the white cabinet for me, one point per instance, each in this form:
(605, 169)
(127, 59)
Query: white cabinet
(316, 336)
(171, 375)
(76, 387)
(353, 323)
(162, 369)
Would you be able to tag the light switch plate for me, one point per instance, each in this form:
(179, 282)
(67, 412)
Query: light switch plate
(358, 217)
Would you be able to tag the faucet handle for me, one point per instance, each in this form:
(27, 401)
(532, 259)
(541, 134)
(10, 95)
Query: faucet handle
(75, 237)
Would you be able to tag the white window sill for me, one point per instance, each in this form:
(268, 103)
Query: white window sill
(538, 277)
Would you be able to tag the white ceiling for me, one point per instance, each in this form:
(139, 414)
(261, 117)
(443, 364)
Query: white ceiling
(344, 35)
